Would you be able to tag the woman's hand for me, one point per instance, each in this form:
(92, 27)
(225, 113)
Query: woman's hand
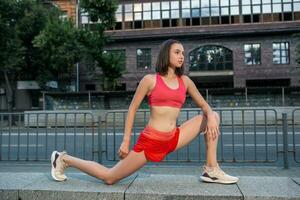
(212, 127)
(124, 149)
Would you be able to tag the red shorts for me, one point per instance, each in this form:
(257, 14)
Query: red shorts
(156, 144)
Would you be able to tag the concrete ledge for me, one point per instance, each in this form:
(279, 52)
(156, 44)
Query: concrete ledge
(255, 188)
(145, 186)
(177, 187)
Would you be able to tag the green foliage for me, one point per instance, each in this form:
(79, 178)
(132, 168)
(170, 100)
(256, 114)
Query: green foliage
(112, 66)
(61, 48)
(11, 51)
(297, 48)
(101, 10)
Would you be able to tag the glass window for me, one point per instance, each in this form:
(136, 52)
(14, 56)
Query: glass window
(246, 10)
(195, 12)
(277, 8)
(214, 3)
(119, 10)
(205, 3)
(210, 57)
(225, 11)
(128, 17)
(147, 15)
(128, 7)
(281, 53)
(165, 14)
(287, 7)
(225, 3)
(215, 11)
(246, 2)
(252, 54)
(266, 1)
(128, 12)
(266, 8)
(143, 58)
(155, 6)
(256, 9)
(155, 14)
(186, 4)
(138, 16)
(165, 5)
(186, 13)
(296, 6)
(234, 10)
(174, 5)
(195, 4)
(255, 2)
(137, 7)
(234, 2)
(146, 6)
(175, 14)
(205, 12)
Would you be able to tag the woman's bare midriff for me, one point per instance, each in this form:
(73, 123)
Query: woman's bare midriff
(163, 118)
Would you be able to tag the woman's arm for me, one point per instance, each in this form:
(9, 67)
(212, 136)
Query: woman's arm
(143, 88)
(197, 97)
(212, 128)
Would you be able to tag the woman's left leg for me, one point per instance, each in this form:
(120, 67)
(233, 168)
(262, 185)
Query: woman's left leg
(211, 173)
(191, 129)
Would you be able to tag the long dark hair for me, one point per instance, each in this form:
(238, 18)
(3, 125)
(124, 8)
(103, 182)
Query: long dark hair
(162, 62)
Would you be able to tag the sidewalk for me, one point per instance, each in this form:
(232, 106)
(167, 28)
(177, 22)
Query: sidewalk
(33, 181)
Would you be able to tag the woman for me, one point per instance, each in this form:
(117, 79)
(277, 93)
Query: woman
(166, 92)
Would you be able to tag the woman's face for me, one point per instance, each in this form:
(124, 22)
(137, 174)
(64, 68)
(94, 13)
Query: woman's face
(176, 55)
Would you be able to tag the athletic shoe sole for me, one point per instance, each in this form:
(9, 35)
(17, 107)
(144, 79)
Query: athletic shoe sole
(53, 168)
(209, 180)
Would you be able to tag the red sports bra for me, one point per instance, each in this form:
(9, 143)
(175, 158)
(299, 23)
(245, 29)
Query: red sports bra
(162, 95)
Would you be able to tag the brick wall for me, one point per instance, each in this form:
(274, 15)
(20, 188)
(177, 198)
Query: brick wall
(68, 6)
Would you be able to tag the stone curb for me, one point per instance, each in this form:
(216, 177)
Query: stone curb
(146, 186)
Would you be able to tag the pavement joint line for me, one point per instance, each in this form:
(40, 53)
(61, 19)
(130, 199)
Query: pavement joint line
(294, 181)
(129, 186)
(240, 191)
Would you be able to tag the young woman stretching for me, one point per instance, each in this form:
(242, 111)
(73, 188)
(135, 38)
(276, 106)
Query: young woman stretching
(166, 91)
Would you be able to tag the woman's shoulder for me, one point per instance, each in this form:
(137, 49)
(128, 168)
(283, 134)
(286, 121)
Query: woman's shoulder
(185, 79)
(149, 79)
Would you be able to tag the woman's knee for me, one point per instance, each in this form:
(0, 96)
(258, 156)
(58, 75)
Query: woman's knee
(110, 179)
(217, 116)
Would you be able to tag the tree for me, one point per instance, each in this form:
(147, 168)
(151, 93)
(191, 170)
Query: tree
(11, 50)
(113, 65)
(297, 48)
(102, 12)
(61, 47)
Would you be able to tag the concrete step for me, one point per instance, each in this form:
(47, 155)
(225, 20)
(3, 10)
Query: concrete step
(147, 186)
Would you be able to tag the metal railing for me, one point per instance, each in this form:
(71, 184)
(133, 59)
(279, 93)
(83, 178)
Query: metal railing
(34, 135)
(247, 135)
(296, 137)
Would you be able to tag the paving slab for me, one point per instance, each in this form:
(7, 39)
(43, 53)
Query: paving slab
(11, 183)
(78, 186)
(187, 187)
(262, 188)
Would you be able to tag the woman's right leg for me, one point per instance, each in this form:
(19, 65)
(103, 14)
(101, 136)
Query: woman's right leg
(130, 164)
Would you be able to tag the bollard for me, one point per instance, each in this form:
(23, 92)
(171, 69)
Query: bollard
(99, 141)
(285, 141)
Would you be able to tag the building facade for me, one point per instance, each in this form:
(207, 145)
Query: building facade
(228, 43)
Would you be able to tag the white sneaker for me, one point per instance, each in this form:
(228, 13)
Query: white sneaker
(216, 175)
(58, 166)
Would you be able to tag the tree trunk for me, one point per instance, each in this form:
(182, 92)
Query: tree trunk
(9, 93)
